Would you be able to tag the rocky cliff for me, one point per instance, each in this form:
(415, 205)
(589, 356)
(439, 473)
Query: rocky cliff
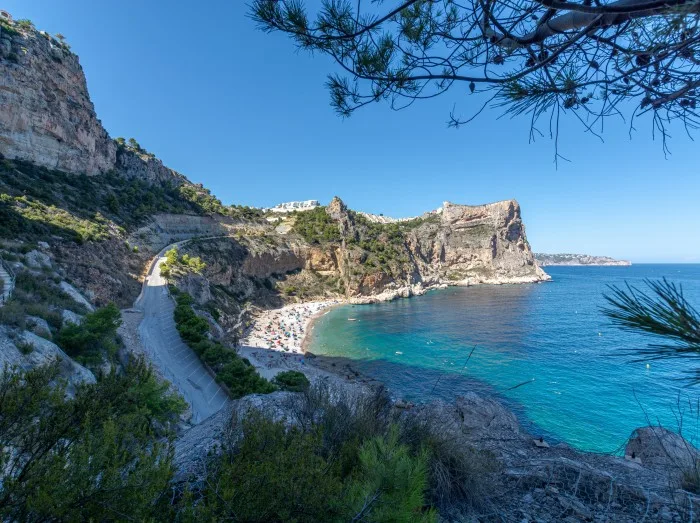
(461, 245)
(47, 118)
(336, 252)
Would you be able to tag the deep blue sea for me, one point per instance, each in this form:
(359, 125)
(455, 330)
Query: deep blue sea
(580, 389)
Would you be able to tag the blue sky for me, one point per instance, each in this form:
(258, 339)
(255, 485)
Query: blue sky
(247, 115)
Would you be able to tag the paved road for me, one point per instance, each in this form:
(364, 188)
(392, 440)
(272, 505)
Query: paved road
(176, 361)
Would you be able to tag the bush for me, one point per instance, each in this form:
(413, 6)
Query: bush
(25, 347)
(316, 226)
(24, 23)
(292, 380)
(269, 472)
(390, 482)
(98, 455)
(238, 375)
(95, 338)
(456, 473)
(174, 263)
(272, 474)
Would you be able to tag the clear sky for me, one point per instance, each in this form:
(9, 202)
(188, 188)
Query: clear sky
(248, 116)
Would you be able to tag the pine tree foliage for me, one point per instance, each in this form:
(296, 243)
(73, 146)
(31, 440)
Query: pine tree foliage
(664, 312)
(584, 58)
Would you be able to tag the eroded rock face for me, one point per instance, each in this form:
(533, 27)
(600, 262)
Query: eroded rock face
(47, 118)
(458, 244)
(146, 167)
(46, 115)
(476, 244)
(660, 448)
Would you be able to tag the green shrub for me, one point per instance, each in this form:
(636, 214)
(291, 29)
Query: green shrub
(98, 455)
(176, 264)
(273, 474)
(316, 226)
(390, 483)
(12, 313)
(95, 337)
(270, 472)
(292, 380)
(25, 347)
(24, 23)
(457, 473)
(238, 375)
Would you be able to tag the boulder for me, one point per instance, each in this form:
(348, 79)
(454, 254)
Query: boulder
(37, 260)
(37, 351)
(479, 413)
(39, 326)
(76, 295)
(662, 449)
(71, 317)
(196, 286)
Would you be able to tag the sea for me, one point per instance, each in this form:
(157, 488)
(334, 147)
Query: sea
(546, 350)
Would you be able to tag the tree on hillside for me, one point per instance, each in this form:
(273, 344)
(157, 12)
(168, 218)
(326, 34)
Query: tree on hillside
(588, 58)
(664, 313)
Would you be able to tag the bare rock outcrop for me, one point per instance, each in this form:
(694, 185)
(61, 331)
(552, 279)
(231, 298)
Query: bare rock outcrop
(46, 115)
(476, 244)
(26, 350)
(660, 448)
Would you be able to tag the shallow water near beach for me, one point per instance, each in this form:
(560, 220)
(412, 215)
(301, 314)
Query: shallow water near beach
(550, 338)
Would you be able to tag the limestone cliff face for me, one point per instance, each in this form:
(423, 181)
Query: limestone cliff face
(47, 118)
(46, 115)
(457, 245)
(476, 244)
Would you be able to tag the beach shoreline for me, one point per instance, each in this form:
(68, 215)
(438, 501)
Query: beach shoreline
(261, 349)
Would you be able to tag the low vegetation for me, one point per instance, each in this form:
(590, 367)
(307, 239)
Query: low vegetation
(232, 371)
(37, 294)
(36, 202)
(175, 264)
(381, 247)
(94, 339)
(292, 380)
(316, 226)
(103, 454)
(346, 457)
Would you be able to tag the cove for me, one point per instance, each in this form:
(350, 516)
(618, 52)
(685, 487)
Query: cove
(545, 349)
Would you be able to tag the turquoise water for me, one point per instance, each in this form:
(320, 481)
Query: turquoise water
(552, 335)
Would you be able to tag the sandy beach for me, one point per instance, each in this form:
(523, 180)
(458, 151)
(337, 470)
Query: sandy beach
(285, 329)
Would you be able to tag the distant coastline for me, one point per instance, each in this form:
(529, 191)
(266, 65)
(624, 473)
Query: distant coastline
(544, 260)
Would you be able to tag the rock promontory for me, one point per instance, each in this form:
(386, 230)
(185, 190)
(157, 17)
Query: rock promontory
(544, 260)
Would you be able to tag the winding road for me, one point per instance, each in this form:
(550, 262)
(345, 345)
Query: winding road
(176, 361)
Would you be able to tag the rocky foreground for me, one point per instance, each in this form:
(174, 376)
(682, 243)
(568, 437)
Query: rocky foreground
(530, 481)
